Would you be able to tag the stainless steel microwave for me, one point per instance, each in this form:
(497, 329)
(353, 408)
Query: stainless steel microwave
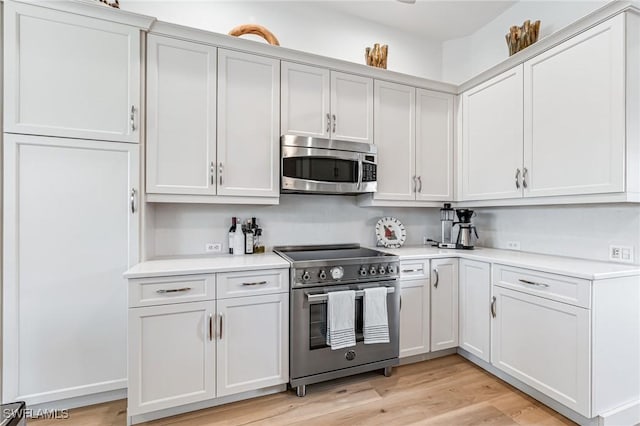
(327, 166)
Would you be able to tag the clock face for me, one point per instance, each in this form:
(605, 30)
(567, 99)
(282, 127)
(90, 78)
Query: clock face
(390, 232)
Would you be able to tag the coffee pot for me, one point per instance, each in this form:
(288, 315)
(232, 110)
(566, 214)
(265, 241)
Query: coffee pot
(467, 232)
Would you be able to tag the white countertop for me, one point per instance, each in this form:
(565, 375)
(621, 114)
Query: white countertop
(189, 265)
(580, 268)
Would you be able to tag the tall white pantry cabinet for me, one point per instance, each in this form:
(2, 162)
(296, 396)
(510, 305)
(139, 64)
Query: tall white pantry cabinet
(71, 207)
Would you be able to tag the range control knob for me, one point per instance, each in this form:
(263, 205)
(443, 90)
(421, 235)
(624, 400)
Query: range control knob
(306, 276)
(337, 272)
(363, 272)
(391, 269)
(323, 275)
(382, 270)
(373, 270)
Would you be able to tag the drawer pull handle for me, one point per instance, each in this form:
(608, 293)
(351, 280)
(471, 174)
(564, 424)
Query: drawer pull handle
(406, 271)
(534, 283)
(173, 290)
(256, 283)
(493, 307)
(220, 329)
(435, 270)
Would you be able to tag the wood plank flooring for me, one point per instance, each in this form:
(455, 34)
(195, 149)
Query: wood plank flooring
(445, 391)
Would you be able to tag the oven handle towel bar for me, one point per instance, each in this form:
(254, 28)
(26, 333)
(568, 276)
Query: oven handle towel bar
(315, 298)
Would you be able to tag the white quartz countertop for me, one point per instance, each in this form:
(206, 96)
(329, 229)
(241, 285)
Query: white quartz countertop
(189, 265)
(579, 268)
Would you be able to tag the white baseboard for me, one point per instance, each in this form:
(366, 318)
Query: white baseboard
(81, 401)
(427, 356)
(628, 414)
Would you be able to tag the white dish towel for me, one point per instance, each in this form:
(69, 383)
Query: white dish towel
(341, 312)
(376, 323)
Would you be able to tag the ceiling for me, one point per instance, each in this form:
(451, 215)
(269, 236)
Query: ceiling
(435, 19)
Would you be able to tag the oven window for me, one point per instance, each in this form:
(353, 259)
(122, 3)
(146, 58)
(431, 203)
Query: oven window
(321, 169)
(318, 324)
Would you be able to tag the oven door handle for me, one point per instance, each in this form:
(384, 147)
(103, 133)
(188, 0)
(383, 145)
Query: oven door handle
(323, 297)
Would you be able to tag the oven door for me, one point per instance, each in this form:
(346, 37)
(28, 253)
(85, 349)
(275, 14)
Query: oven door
(309, 352)
(321, 170)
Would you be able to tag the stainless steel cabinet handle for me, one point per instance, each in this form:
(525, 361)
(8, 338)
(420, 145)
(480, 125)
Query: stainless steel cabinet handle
(210, 327)
(524, 177)
(420, 183)
(412, 270)
(517, 178)
(220, 329)
(132, 118)
(334, 122)
(173, 290)
(133, 200)
(414, 184)
(435, 270)
(256, 283)
(328, 122)
(212, 172)
(493, 307)
(400, 302)
(534, 283)
(220, 171)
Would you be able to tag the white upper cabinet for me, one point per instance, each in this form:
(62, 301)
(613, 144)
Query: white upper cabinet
(320, 103)
(434, 146)
(181, 117)
(492, 138)
(248, 125)
(414, 137)
(351, 107)
(69, 75)
(395, 140)
(305, 101)
(574, 114)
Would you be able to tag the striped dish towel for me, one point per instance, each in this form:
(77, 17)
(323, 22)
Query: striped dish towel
(376, 323)
(341, 312)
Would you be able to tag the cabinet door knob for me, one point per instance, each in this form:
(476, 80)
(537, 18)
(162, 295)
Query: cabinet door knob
(435, 271)
(517, 178)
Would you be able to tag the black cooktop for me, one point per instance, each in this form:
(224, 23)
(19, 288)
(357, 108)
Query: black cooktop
(327, 253)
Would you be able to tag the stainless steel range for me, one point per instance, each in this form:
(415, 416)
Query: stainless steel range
(316, 271)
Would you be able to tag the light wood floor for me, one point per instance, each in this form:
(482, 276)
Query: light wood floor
(447, 391)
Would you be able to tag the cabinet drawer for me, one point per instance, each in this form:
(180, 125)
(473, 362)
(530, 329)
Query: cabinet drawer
(574, 291)
(249, 283)
(166, 290)
(414, 269)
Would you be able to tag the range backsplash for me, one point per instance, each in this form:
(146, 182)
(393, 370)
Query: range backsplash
(577, 231)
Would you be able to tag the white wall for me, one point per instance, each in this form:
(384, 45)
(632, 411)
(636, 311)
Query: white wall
(304, 27)
(466, 57)
(299, 219)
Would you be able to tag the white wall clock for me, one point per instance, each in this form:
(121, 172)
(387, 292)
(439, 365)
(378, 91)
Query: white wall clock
(390, 232)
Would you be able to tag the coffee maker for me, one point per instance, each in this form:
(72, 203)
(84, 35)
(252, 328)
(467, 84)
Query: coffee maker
(447, 217)
(467, 233)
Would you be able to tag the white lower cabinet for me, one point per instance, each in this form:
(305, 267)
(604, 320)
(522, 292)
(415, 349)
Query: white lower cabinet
(253, 341)
(444, 304)
(414, 308)
(172, 356)
(545, 344)
(474, 305)
(181, 353)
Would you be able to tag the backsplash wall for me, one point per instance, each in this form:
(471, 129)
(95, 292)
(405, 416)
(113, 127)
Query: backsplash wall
(298, 219)
(576, 231)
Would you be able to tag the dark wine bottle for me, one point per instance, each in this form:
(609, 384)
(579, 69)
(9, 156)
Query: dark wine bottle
(232, 232)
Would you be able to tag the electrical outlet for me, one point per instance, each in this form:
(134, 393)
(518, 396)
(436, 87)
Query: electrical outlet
(621, 253)
(213, 248)
(513, 245)
(425, 240)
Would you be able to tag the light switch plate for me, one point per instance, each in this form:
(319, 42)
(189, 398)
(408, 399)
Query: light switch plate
(621, 254)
